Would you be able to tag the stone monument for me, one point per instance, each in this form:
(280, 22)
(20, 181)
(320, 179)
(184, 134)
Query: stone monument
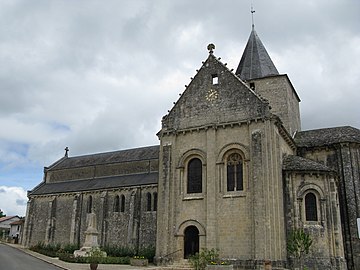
(91, 238)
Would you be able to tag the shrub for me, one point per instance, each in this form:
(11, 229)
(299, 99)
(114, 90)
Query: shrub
(67, 257)
(70, 248)
(119, 251)
(205, 257)
(148, 253)
(50, 250)
(299, 243)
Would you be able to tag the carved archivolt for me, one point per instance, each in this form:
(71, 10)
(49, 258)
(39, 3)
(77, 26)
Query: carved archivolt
(191, 222)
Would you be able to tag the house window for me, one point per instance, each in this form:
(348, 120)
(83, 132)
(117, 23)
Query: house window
(148, 205)
(89, 205)
(117, 203)
(155, 201)
(311, 207)
(234, 167)
(122, 204)
(194, 176)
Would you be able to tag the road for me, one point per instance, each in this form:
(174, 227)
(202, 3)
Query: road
(13, 259)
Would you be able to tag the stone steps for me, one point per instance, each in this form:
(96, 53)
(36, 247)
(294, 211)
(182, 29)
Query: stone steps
(179, 265)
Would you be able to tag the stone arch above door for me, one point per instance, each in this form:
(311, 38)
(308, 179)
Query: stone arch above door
(190, 222)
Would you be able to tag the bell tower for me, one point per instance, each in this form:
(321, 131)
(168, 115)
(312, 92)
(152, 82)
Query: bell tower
(258, 71)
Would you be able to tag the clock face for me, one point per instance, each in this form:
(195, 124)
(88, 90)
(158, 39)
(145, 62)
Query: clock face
(212, 95)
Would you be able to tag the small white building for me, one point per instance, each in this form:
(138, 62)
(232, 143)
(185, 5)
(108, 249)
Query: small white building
(5, 225)
(16, 230)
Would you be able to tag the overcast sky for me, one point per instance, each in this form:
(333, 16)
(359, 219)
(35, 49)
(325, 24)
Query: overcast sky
(98, 76)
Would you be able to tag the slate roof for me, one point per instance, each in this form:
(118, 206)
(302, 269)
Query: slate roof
(296, 163)
(136, 154)
(255, 61)
(96, 184)
(327, 136)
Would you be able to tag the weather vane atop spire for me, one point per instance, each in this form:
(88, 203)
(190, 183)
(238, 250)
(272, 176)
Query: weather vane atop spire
(252, 16)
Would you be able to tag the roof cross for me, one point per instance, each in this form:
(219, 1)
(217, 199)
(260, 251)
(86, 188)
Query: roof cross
(66, 151)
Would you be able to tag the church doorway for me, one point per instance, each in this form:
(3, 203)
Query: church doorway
(191, 241)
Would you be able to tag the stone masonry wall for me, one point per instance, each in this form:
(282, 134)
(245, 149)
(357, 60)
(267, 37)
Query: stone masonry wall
(243, 225)
(327, 250)
(345, 159)
(63, 218)
(282, 99)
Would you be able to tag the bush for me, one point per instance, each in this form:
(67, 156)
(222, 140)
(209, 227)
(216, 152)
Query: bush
(205, 257)
(116, 254)
(66, 257)
(50, 250)
(147, 253)
(119, 251)
(70, 248)
(116, 260)
(106, 260)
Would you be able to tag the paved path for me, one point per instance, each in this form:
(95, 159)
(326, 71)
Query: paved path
(58, 264)
(13, 259)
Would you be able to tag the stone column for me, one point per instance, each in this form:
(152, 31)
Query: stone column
(74, 219)
(259, 214)
(26, 229)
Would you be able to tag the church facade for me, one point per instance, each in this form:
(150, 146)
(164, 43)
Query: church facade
(233, 171)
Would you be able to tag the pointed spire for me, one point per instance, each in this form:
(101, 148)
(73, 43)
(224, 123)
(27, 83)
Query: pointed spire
(255, 61)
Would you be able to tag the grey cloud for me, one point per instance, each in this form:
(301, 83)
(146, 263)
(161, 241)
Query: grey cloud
(21, 202)
(99, 77)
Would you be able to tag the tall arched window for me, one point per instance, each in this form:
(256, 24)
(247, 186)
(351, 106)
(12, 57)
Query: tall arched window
(89, 204)
(194, 176)
(148, 201)
(122, 205)
(155, 201)
(234, 167)
(117, 203)
(311, 207)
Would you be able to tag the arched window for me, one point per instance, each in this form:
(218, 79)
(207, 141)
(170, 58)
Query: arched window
(89, 205)
(194, 176)
(234, 167)
(155, 201)
(148, 200)
(311, 207)
(122, 205)
(117, 203)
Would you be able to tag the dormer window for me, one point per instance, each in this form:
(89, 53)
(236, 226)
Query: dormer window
(215, 79)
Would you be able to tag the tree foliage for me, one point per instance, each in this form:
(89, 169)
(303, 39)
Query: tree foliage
(299, 244)
(2, 214)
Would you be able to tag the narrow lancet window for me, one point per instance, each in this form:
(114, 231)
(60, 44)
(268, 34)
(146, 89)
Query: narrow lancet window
(117, 203)
(234, 172)
(122, 205)
(311, 207)
(194, 179)
(89, 205)
(148, 206)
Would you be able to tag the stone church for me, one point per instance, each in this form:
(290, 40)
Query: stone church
(233, 171)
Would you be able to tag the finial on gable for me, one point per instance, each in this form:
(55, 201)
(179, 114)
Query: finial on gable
(211, 48)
